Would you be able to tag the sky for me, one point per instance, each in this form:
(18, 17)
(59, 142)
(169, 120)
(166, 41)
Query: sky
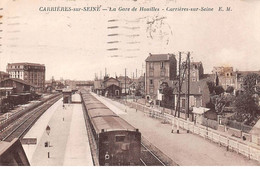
(79, 45)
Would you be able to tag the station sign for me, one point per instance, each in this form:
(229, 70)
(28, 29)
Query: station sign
(29, 141)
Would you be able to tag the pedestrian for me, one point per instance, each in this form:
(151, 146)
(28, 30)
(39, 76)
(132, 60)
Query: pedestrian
(172, 125)
(178, 125)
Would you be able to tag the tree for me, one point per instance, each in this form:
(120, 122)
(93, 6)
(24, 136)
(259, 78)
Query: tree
(167, 96)
(230, 89)
(211, 86)
(246, 103)
(222, 101)
(246, 106)
(250, 80)
(219, 90)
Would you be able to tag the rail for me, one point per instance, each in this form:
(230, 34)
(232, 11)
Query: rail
(16, 115)
(154, 161)
(21, 125)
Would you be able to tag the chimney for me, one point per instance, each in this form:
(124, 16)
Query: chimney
(150, 54)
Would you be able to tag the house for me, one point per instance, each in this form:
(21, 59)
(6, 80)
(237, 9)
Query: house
(125, 82)
(224, 76)
(112, 87)
(196, 71)
(18, 91)
(18, 85)
(199, 94)
(133, 87)
(159, 67)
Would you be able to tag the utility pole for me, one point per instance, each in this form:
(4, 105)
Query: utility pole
(179, 91)
(188, 83)
(125, 90)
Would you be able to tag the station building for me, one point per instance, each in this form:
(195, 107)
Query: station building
(30, 72)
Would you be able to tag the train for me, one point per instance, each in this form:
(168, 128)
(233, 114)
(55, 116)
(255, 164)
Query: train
(117, 142)
(9, 102)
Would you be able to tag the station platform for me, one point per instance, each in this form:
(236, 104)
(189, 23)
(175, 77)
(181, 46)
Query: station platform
(185, 148)
(68, 138)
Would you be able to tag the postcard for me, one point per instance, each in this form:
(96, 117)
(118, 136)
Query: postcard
(129, 83)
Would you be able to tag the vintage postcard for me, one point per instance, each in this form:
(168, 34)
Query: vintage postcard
(129, 83)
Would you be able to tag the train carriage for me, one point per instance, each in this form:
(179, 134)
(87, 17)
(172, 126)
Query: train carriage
(118, 142)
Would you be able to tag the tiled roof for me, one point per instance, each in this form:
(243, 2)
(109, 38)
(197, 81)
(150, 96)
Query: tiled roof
(158, 57)
(196, 88)
(20, 81)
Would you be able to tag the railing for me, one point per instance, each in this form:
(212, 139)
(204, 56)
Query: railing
(252, 152)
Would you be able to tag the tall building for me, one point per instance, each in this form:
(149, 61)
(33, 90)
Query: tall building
(196, 71)
(225, 76)
(30, 72)
(159, 68)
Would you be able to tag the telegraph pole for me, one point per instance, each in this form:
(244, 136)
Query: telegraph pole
(179, 92)
(188, 96)
(125, 90)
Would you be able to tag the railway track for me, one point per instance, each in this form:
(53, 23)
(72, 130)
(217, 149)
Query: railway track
(19, 127)
(148, 158)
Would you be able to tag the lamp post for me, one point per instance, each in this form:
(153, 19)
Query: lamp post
(47, 144)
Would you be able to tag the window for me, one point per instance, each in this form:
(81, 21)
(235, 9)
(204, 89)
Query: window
(151, 90)
(183, 103)
(151, 81)
(193, 73)
(151, 65)
(151, 73)
(162, 65)
(120, 138)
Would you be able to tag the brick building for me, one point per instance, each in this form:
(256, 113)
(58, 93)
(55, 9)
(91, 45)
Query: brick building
(159, 67)
(30, 72)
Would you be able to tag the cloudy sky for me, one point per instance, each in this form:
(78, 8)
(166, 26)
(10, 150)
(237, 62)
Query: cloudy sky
(80, 44)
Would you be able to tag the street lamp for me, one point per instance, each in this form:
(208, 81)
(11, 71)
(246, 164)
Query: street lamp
(47, 144)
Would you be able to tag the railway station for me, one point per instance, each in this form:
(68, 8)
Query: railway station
(63, 136)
